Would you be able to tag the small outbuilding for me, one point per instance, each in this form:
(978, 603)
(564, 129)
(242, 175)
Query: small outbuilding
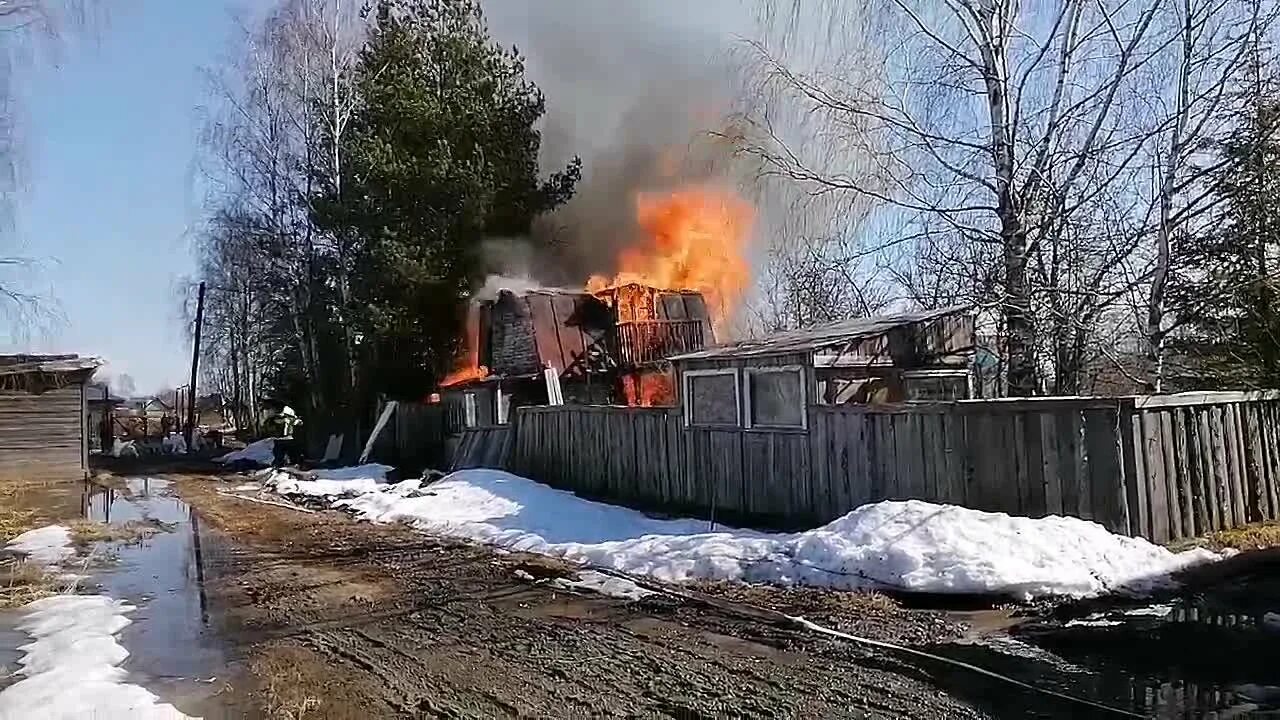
(44, 431)
(767, 383)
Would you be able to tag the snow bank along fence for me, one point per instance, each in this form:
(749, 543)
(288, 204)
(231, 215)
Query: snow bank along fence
(1163, 467)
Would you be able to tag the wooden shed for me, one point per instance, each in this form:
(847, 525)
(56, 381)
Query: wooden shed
(44, 431)
(768, 382)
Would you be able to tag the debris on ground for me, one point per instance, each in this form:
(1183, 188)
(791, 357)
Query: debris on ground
(911, 546)
(259, 453)
(331, 483)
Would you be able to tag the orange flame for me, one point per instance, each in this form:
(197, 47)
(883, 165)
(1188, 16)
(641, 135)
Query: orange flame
(465, 374)
(649, 390)
(695, 238)
(466, 366)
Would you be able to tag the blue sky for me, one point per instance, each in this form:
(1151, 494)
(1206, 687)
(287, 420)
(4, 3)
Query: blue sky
(110, 186)
(110, 190)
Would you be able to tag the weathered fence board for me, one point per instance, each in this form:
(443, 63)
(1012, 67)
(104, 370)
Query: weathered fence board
(1145, 466)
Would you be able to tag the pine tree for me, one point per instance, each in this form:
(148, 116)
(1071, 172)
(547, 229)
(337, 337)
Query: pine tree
(1227, 289)
(442, 152)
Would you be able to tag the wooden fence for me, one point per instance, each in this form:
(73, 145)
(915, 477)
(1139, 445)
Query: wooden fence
(1163, 467)
(483, 447)
(414, 438)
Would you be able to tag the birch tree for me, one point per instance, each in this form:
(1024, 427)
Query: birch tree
(1024, 146)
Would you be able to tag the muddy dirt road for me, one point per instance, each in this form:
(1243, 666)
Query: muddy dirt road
(250, 610)
(343, 620)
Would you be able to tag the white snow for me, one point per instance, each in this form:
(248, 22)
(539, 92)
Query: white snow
(1271, 621)
(71, 669)
(123, 448)
(340, 482)
(907, 545)
(259, 452)
(598, 582)
(47, 546)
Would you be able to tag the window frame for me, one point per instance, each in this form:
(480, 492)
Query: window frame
(686, 384)
(943, 373)
(799, 371)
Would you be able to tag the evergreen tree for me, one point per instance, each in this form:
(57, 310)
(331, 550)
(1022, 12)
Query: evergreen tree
(441, 153)
(1227, 289)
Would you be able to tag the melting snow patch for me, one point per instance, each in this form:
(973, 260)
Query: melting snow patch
(909, 545)
(259, 452)
(71, 669)
(47, 546)
(598, 582)
(342, 482)
(1150, 611)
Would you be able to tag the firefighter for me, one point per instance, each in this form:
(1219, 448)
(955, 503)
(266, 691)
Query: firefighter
(282, 424)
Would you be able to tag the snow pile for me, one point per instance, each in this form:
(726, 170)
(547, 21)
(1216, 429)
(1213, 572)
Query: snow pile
(906, 545)
(340, 482)
(71, 669)
(47, 546)
(259, 452)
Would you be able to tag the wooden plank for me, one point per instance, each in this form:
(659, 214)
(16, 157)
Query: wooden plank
(1183, 471)
(796, 461)
(1212, 478)
(1168, 450)
(1154, 463)
(1134, 472)
(1271, 429)
(1066, 428)
(1032, 465)
(1106, 489)
(1222, 490)
(817, 441)
(854, 467)
(1198, 466)
(1049, 459)
(843, 489)
(1255, 463)
(906, 439)
(1235, 471)
(982, 441)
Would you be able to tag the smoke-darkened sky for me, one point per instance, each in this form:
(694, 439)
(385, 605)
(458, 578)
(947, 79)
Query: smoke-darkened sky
(632, 88)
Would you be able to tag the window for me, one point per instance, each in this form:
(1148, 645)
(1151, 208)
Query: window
(936, 385)
(775, 397)
(711, 397)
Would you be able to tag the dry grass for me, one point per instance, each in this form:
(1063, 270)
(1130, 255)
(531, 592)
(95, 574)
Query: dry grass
(14, 518)
(86, 532)
(1256, 536)
(284, 687)
(21, 583)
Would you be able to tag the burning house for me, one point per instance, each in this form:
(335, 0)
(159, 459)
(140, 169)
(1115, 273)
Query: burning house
(553, 345)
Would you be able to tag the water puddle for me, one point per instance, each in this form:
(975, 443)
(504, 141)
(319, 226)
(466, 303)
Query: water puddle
(1204, 655)
(173, 650)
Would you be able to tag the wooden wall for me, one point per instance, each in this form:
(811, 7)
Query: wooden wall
(1164, 468)
(414, 438)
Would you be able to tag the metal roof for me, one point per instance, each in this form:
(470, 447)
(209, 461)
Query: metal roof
(819, 336)
(21, 364)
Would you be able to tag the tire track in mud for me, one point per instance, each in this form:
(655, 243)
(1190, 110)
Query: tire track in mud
(426, 627)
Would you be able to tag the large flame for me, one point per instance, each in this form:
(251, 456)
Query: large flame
(694, 238)
(466, 365)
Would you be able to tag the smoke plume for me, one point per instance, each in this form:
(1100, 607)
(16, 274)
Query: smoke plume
(634, 91)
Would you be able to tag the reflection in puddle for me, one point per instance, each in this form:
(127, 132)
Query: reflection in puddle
(173, 650)
(1197, 658)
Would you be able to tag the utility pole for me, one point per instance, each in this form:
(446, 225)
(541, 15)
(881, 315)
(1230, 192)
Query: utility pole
(195, 368)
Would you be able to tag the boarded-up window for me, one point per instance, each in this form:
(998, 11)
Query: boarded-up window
(776, 398)
(712, 398)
